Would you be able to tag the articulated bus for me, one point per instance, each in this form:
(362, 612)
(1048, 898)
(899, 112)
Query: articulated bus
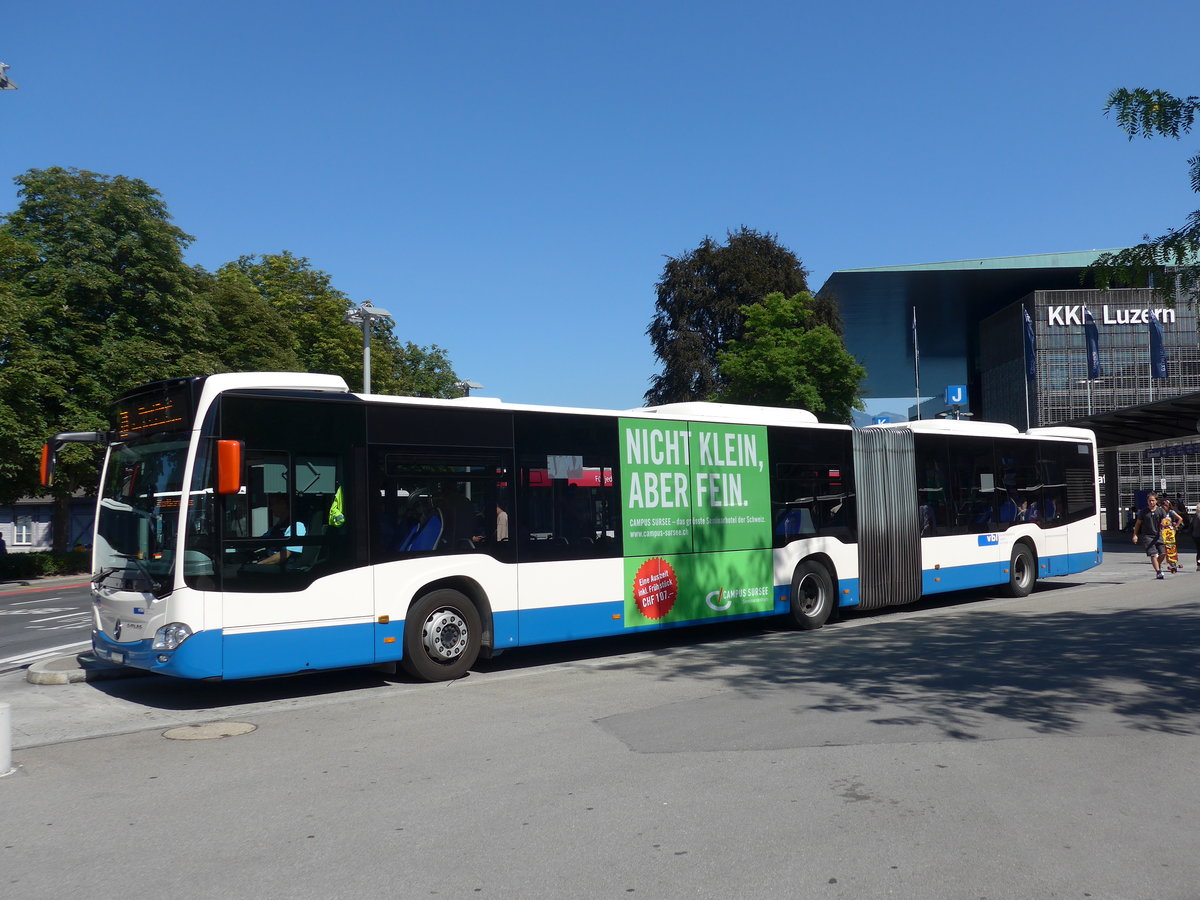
(263, 524)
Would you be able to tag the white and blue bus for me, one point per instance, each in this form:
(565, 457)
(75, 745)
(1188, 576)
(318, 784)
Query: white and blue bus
(265, 524)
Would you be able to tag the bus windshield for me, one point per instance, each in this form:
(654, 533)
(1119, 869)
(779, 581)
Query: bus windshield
(138, 516)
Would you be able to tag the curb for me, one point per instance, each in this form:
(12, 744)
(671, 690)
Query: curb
(74, 669)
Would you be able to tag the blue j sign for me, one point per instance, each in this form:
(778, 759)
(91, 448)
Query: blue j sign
(956, 394)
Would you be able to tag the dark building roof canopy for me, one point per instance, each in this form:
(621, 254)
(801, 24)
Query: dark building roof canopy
(1138, 426)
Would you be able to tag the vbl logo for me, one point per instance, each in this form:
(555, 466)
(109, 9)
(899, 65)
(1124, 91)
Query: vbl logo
(989, 540)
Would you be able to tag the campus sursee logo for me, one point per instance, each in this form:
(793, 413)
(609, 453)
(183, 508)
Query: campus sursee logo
(1108, 315)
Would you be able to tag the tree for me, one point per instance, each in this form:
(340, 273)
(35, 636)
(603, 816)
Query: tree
(103, 301)
(702, 296)
(255, 336)
(314, 313)
(1147, 113)
(424, 372)
(784, 359)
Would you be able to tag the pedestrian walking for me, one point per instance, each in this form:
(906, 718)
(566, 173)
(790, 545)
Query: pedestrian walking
(1148, 530)
(1170, 525)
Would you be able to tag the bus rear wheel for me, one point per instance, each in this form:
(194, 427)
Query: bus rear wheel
(441, 636)
(811, 596)
(1022, 571)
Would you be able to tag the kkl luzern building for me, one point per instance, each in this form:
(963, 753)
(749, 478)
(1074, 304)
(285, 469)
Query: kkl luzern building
(971, 334)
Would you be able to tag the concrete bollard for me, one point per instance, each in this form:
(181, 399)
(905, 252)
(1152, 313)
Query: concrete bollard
(6, 766)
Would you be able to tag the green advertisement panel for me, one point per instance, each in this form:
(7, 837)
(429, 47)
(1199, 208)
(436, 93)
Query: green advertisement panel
(693, 487)
(661, 590)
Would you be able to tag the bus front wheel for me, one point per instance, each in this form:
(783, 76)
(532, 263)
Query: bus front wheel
(1022, 571)
(812, 595)
(441, 636)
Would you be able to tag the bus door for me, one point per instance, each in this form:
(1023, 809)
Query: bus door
(296, 593)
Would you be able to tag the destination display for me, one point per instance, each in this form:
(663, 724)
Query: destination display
(165, 408)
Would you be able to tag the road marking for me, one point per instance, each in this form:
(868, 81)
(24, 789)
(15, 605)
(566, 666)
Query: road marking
(33, 590)
(26, 658)
(70, 615)
(37, 612)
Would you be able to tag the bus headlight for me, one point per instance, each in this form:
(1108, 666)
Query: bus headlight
(171, 636)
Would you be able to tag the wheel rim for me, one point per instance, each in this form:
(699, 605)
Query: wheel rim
(811, 594)
(1021, 569)
(445, 635)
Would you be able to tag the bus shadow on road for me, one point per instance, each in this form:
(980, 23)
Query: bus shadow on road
(955, 676)
(1005, 674)
(167, 693)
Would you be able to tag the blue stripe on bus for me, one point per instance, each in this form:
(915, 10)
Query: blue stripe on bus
(995, 574)
(249, 655)
(211, 654)
(197, 657)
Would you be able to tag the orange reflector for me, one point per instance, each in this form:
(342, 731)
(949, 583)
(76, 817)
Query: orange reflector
(389, 640)
(846, 590)
(383, 620)
(616, 617)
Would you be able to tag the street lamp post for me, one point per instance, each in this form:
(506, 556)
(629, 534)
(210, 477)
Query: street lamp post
(363, 316)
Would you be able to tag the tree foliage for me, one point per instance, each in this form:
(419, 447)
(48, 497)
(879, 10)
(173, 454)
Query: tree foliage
(702, 296)
(96, 298)
(787, 357)
(310, 314)
(102, 299)
(1146, 113)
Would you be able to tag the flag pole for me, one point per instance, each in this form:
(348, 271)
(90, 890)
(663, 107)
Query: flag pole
(1027, 347)
(916, 363)
(1150, 339)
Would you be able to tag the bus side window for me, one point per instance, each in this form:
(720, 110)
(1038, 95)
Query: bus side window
(812, 485)
(430, 500)
(567, 501)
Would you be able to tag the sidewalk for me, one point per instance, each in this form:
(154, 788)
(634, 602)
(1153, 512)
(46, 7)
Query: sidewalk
(43, 581)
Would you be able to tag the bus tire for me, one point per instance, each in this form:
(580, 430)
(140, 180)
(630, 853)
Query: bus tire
(812, 595)
(441, 636)
(1022, 571)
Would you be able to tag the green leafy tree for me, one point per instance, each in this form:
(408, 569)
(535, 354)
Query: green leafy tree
(25, 375)
(1145, 113)
(313, 311)
(787, 358)
(424, 372)
(104, 301)
(254, 335)
(701, 301)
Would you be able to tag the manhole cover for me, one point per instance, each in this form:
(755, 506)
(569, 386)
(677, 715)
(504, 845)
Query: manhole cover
(208, 731)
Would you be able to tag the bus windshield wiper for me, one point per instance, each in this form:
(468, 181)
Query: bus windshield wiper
(104, 573)
(144, 571)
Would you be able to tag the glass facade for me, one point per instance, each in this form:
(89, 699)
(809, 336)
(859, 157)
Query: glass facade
(1062, 391)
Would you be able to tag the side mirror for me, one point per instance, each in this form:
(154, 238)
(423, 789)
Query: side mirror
(229, 466)
(47, 471)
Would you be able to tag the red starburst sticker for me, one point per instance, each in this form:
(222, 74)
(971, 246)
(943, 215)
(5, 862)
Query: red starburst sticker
(655, 588)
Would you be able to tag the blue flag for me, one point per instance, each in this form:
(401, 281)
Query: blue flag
(1091, 339)
(1158, 350)
(1030, 349)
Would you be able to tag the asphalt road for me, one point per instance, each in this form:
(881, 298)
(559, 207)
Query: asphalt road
(967, 748)
(43, 618)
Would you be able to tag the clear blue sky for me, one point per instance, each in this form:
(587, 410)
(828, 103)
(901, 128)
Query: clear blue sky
(506, 178)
